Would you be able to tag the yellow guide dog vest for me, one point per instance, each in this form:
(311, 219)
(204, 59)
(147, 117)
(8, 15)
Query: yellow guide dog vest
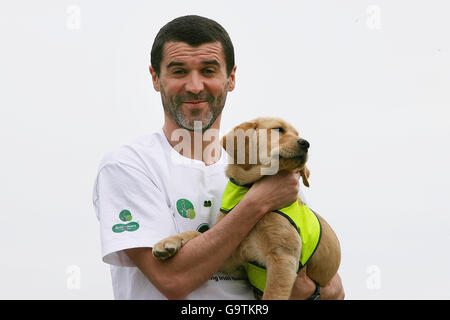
(299, 215)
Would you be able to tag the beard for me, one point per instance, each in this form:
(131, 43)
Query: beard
(173, 106)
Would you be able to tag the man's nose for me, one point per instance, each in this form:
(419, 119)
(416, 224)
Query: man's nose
(194, 83)
(303, 144)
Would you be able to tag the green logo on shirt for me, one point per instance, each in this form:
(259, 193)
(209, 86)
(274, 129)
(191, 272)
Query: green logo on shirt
(186, 208)
(125, 216)
(207, 203)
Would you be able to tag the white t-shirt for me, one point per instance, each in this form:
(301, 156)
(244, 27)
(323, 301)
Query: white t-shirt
(146, 191)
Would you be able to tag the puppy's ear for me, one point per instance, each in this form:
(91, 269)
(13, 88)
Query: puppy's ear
(223, 142)
(305, 175)
(246, 125)
(230, 142)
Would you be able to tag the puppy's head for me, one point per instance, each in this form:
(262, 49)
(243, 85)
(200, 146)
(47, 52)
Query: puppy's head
(264, 146)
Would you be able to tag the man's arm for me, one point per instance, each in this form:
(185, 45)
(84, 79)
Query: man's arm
(202, 256)
(199, 258)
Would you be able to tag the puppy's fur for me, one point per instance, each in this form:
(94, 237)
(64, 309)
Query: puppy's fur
(273, 242)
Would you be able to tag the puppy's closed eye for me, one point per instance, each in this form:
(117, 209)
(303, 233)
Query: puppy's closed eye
(280, 130)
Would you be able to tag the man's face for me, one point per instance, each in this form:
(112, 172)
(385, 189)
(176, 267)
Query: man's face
(193, 83)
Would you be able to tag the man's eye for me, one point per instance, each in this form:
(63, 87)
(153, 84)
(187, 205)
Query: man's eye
(178, 71)
(209, 70)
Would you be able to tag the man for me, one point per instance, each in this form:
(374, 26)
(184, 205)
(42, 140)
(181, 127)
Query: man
(146, 191)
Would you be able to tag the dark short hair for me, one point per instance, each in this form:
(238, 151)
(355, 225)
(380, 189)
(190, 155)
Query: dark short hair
(195, 31)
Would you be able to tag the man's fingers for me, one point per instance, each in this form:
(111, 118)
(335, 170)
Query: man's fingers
(334, 290)
(296, 174)
(302, 272)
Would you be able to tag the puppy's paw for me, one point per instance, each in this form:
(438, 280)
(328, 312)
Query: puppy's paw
(167, 248)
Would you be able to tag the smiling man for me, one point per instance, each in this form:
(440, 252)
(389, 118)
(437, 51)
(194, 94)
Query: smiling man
(148, 190)
(196, 100)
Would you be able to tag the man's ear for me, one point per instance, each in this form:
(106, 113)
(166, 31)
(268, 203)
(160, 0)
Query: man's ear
(155, 78)
(305, 173)
(232, 78)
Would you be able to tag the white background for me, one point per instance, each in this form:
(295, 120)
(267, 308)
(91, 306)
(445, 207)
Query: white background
(367, 83)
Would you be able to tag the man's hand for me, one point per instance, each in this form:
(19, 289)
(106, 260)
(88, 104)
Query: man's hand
(334, 290)
(304, 287)
(276, 191)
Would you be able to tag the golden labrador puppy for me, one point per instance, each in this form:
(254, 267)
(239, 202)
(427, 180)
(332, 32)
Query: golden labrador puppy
(285, 240)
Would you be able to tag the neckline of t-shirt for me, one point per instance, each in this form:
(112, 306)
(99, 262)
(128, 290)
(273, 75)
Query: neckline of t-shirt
(188, 162)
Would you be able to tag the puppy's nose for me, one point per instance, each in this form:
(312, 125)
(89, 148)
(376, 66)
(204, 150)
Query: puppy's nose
(303, 144)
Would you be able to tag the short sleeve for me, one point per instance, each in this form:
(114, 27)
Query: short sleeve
(131, 210)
